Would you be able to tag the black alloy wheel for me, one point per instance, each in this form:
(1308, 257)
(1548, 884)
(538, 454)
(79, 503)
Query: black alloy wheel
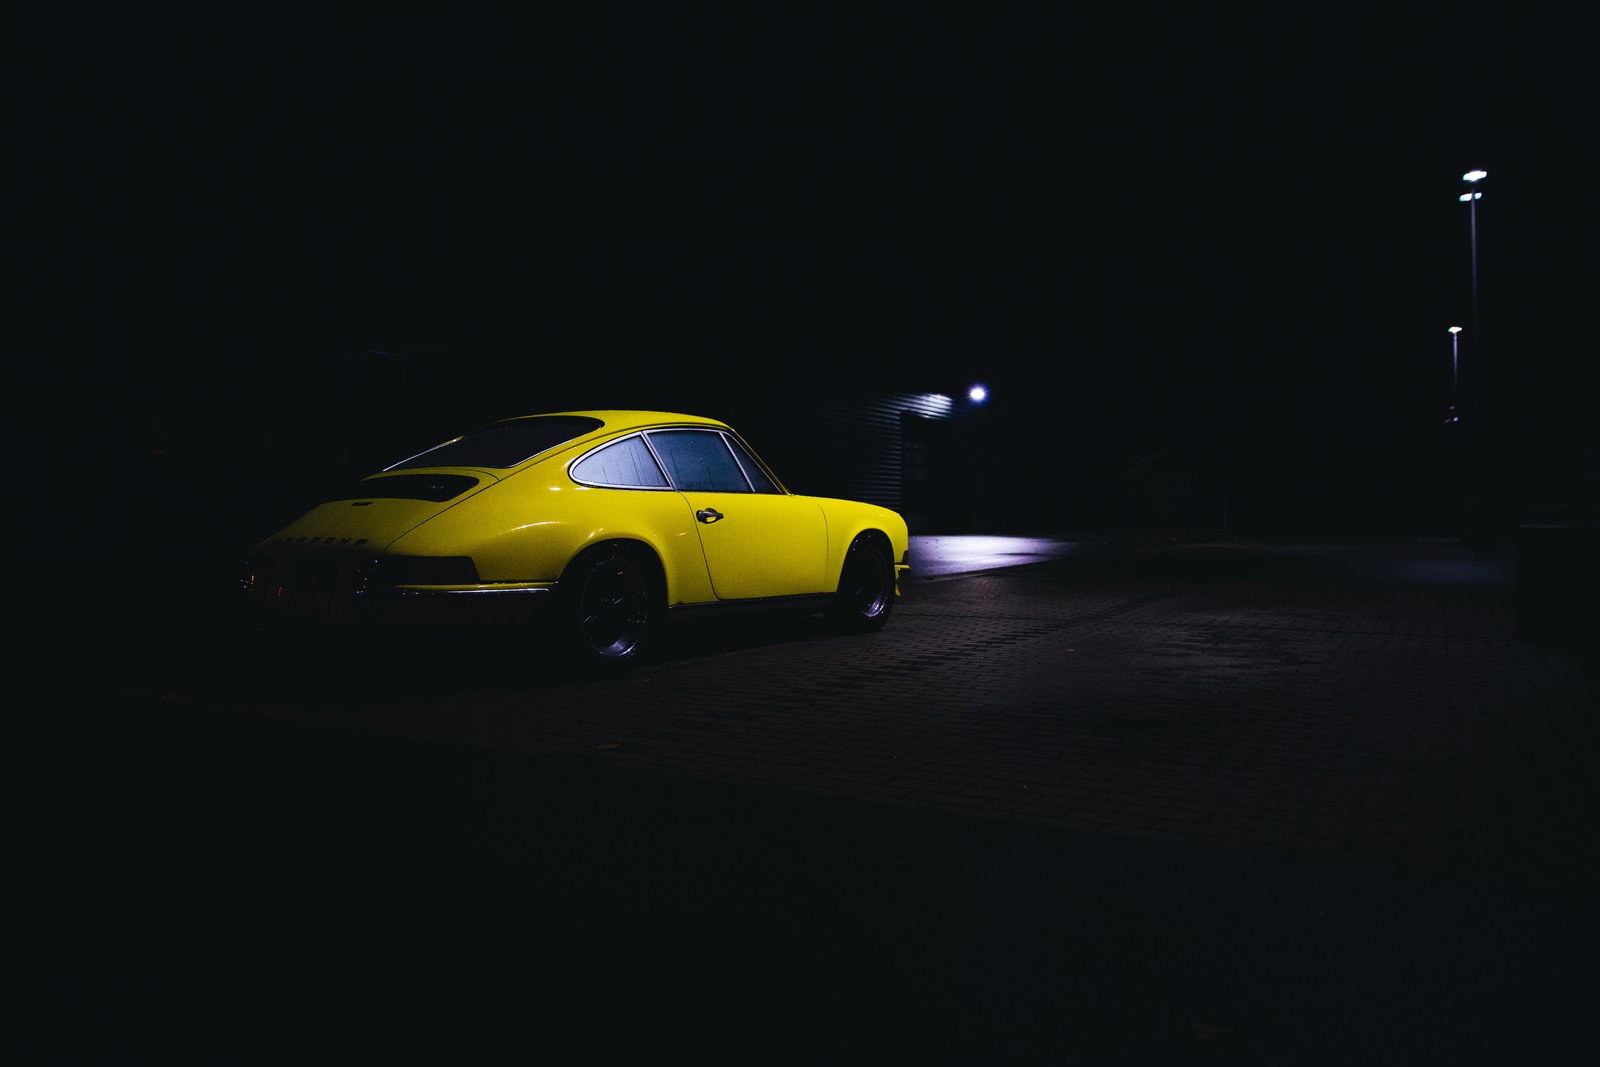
(612, 607)
(866, 586)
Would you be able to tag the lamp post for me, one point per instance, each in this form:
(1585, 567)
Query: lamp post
(1455, 373)
(1478, 517)
(1471, 198)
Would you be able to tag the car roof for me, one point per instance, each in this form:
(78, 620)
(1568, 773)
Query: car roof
(631, 419)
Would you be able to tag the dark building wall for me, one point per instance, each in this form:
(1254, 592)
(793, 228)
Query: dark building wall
(912, 452)
(919, 453)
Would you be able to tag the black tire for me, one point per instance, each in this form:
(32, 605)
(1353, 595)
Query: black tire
(866, 587)
(609, 608)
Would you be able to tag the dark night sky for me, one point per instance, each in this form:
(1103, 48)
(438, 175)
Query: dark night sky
(1198, 226)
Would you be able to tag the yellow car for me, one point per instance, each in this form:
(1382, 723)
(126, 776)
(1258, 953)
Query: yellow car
(607, 523)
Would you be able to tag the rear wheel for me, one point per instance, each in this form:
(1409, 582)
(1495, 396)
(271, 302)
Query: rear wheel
(866, 586)
(609, 609)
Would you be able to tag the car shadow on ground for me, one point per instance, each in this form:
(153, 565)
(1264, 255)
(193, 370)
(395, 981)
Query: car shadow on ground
(251, 664)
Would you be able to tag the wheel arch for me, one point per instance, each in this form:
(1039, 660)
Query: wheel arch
(638, 551)
(868, 534)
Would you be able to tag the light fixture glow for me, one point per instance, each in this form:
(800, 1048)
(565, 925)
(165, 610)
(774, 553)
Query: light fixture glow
(1455, 329)
(1474, 175)
(1464, 197)
(977, 394)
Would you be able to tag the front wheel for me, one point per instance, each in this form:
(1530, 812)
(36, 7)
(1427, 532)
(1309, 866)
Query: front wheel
(866, 587)
(609, 609)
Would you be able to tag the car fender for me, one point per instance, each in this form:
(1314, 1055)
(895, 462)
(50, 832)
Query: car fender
(848, 519)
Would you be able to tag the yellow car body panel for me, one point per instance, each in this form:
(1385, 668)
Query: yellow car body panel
(358, 523)
(532, 534)
(762, 545)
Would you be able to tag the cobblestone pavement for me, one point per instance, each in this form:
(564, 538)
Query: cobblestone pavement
(1321, 802)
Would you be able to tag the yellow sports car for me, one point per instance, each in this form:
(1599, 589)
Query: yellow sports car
(605, 522)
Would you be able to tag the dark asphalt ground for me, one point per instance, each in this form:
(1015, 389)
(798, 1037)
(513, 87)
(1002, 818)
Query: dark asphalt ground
(202, 883)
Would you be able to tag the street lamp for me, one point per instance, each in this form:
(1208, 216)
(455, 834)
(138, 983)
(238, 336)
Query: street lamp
(1471, 198)
(1455, 373)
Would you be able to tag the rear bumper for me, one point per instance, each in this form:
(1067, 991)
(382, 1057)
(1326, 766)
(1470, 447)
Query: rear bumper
(337, 591)
(482, 605)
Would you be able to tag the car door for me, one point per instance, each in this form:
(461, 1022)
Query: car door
(758, 540)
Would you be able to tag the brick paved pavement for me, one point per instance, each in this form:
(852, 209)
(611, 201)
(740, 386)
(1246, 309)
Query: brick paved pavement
(1359, 704)
(1279, 775)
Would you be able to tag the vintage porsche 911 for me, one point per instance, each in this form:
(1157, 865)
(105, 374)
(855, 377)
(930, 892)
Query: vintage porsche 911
(602, 523)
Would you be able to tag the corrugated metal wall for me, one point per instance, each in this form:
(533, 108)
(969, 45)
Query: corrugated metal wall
(853, 447)
(868, 450)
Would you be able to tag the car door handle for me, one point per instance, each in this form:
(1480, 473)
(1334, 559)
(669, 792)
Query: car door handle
(708, 515)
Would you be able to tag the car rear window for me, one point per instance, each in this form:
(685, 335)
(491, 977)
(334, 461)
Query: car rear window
(503, 444)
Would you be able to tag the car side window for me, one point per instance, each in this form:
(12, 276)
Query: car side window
(759, 479)
(627, 464)
(699, 461)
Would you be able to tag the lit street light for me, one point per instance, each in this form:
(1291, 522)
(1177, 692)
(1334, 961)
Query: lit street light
(1471, 198)
(1455, 373)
